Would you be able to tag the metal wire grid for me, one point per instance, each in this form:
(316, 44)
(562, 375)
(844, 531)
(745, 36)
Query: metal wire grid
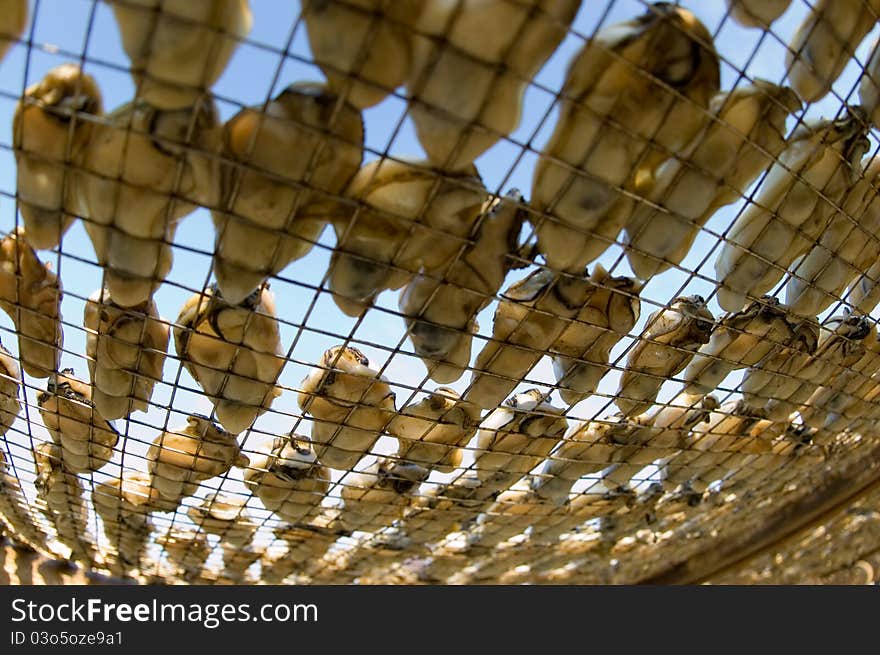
(357, 555)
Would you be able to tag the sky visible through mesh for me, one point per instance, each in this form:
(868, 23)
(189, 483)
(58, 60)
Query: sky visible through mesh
(276, 54)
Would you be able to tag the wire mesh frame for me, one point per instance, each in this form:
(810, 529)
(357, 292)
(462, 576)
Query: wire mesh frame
(318, 289)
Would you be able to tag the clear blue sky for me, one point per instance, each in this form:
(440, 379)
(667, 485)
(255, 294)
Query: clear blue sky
(61, 34)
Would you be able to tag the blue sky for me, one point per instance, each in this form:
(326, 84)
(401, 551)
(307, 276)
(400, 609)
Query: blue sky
(65, 30)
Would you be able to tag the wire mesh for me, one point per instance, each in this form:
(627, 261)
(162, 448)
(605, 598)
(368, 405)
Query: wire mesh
(486, 291)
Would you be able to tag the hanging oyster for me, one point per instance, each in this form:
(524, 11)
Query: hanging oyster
(126, 349)
(349, 403)
(233, 352)
(30, 293)
(178, 460)
(287, 478)
(86, 438)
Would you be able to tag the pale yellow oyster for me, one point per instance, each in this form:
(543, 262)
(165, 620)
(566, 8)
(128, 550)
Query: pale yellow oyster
(15, 515)
(61, 493)
(825, 42)
(144, 170)
(233, 352)
(842, 342)
(635, 91)
(471, 64)
(722, 445)
(51, 134)
(576, 319)
(741, 339)
(671, 337)
(306, 544)
(514, 438)
(443, 508)
(408, 219)
(30, 293)
(581, 354)
(834, 405)
(756, 13)
(791, 208)
(179, 48)
(847, 247)
(432, 432)
(864, 293)
(349, 403)
(794, 447)
(746, 133)
(10, 386)
(440, 308)
(186, 549)
(590, 447)
(179, 459)
(375, 57)
(126, 349)
(87, 439)
(869, 87)
(513, 511)
(226, 517)
(125, 505)
(12, 24)
(237, 560)
(284, 164)
(776, 375)
(665, 433)
(595, 502)
(372, 556)
(374, 497)
(288, 479)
